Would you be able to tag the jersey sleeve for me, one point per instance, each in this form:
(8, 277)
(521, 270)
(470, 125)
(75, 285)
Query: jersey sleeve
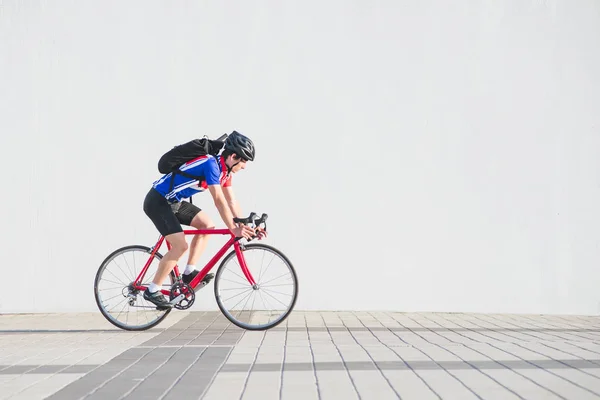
(227, 183)
(211, 172)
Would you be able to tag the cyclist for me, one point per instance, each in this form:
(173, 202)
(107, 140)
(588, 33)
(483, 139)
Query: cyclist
(164, 205)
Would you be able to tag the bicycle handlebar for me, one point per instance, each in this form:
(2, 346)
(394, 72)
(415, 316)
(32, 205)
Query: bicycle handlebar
(247, 220)
(251, 219)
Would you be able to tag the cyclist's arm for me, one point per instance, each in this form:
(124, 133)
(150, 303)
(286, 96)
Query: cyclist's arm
(210, 171)
(222, 206)
(232, 201)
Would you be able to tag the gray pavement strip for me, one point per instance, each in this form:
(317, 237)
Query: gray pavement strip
(199, 376)
(210, 357)
(181, 361)
(99, 376)
(146, 373)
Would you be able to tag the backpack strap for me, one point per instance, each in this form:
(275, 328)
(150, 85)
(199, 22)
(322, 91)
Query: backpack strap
(182, 173)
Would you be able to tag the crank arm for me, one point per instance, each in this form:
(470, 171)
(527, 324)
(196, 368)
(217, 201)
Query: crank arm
(177, 299)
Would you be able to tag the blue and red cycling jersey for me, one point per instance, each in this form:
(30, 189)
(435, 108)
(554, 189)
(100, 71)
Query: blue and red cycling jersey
(213, 169)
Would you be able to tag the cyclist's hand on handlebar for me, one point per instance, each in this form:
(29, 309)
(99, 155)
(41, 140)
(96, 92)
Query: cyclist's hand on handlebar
(261, 233)
(243, 231)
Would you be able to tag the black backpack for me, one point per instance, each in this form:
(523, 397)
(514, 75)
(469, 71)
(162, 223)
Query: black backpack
(179, 155)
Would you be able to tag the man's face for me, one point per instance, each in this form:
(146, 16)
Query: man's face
(239, 163)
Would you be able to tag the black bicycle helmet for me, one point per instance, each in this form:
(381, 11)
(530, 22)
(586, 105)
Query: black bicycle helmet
(240, 145)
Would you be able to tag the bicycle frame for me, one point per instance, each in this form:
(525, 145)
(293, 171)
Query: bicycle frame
(232, 241)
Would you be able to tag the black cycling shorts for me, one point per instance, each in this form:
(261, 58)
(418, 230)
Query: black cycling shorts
(168, 217)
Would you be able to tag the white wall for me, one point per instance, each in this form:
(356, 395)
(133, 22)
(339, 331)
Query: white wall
(455, 144)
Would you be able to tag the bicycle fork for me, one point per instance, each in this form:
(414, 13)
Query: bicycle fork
(239, 247)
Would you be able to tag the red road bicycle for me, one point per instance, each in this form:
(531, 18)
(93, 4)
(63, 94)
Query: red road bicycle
(247, 277)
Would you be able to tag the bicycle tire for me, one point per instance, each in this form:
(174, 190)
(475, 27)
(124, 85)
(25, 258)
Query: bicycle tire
(99, 274)
(231, 255)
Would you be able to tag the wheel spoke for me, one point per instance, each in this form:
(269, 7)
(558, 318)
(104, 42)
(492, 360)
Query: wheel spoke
(116, 283)
(276, 299)
(236, 288)
(283, 284)
(121, 268)
(243, 277)
(269, 263)
(274, 279)
(239, 283)
(249, 294)
(247, 290)
(275, 291)
(253, 301)
(247, 302)
(133, 270)
(263, 300)
(117, 295)
(125, 305)
(262, 263)
(128, 266)
(118, 304)
(110, 288)
(125, 284)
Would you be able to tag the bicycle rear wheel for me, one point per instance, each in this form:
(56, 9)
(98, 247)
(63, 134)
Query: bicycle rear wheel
(119, 302)
(264, 305)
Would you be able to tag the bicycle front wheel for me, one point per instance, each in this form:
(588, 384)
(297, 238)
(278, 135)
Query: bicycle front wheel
(118, 300)
(261, 306)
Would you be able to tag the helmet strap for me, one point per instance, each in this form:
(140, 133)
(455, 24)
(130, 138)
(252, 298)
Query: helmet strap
(230, 168)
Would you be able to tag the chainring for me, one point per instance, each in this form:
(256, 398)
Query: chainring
(190, 296)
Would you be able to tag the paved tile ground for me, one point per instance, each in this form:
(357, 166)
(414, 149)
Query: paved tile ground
(312, 355)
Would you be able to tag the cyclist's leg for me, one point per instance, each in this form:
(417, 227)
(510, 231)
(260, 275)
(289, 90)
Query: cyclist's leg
(160, 212)
(178, 247)
(200, 221)
(189, 214)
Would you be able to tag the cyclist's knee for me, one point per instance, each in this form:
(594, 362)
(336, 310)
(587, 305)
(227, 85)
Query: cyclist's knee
(178, 244)
(180, 247)
(202, 221)
(183, 247)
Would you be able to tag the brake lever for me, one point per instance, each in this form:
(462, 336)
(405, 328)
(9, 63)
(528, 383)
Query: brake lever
(248, 221)
(260, 221)
(257, 223)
